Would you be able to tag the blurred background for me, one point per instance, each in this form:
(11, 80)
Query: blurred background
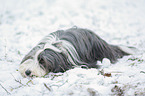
(25, 22)
(110, 19)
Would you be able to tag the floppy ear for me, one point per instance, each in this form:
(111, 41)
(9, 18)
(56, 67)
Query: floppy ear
(55, 46)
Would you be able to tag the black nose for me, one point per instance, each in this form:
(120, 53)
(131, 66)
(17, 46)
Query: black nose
(27, 72)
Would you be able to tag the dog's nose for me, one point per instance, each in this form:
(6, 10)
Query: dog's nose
(27, 72)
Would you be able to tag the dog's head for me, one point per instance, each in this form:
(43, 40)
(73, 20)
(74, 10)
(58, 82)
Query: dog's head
(30, 65)
(46, 61)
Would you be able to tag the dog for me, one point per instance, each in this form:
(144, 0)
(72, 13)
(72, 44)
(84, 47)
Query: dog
(65, 49)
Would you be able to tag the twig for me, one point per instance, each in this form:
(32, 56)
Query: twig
(47, 87)
(17, 80)
(5, 89)
(142, 72)
(21, 84)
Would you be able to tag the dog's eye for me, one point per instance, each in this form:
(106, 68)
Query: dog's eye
(42, 63)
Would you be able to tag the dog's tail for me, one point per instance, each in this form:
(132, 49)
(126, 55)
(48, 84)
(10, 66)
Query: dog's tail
(128, 50)
(120, 51)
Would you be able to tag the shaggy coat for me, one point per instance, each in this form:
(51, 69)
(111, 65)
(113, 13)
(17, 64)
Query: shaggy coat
(65, 49)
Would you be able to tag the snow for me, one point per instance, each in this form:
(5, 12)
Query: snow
(121, 22)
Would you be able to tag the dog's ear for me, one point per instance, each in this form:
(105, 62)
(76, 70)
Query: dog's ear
(55, 46)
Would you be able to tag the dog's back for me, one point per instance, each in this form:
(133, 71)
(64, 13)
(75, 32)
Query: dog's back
(91, 47)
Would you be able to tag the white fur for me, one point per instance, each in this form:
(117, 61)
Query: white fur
(33, 66)
(70, 52)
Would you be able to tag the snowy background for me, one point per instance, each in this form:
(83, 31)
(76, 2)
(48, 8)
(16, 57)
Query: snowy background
(24, 22)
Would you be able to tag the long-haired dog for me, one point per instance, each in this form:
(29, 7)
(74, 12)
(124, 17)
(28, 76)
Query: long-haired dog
(64, 49)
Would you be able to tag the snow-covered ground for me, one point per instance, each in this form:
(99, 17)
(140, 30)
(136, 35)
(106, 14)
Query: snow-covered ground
(24, 22)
